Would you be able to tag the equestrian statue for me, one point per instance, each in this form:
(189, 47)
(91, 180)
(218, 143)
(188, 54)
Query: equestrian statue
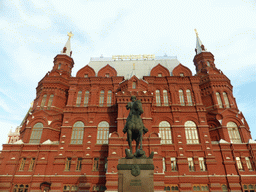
(135, 129)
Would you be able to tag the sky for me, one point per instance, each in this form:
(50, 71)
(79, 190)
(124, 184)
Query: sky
(33, 32)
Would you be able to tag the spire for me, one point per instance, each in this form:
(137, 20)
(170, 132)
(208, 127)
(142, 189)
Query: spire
(67, 48)
(199, 46)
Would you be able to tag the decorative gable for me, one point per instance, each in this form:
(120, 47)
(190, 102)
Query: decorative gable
(159, 71)
(107, 71)
(181, 70)
(86, 71)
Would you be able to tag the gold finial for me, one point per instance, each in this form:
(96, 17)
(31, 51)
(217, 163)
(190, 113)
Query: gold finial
(31, 104)
(70, 34)
(196, 32)
(133, 66)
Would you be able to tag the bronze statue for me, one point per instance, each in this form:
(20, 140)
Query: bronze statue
(134, 128)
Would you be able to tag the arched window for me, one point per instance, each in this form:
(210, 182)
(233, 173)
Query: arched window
(181, 96)
(77, 133)
(233, 133)
(59, 65)
(219, 100)
(36, 133)
(86, 98)
(208, 64)
(158, 99)
(102, 133)
(134, 85)
(165, 132)
(224, 188)
(50, 102)
(165, 95)
(78, 99)
(225, 96)
(191, 132)
(101, 103)
(43, 102)
(189, 98)
(109, 98)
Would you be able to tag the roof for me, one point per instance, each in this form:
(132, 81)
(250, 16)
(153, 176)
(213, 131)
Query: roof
(139, 68)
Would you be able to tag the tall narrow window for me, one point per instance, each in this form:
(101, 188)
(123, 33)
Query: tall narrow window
(219, 100)
(208, 64)
(86, 98)
(225, 96)
(43, 102)
(165, 95)
(191, 132)
(189, 98)
(239, 163)
(31, 164)
(102, 133)
(78, 99)
(50, 102)
(233, 133)
(22, 164)
(158, 99)
(109, 98)
(59, 65)
(248, 163)
(134, 85)
(36, 133)
(190, 164)
(173, 164)
(77, 133)
(200, 187)
(70, 188)
(201, 164)
(96, 163)
(181, 96)
(165, 132)
(79, 164)
(68, 164)
(224, 188)
(101, 103)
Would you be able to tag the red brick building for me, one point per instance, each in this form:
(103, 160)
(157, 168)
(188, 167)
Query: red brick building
(71, 139)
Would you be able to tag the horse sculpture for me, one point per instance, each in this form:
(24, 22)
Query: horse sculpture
(134, 128)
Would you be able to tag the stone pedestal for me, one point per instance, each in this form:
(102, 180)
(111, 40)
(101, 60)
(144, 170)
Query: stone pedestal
(135, 175)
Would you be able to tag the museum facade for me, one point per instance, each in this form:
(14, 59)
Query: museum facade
(72, 136)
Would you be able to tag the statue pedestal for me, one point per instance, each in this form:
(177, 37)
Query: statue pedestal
(135, 175)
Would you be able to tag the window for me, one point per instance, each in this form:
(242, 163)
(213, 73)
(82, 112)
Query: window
(248, 163)
(171, 188)
(77, 133)
(78, 99)
(239, 164)
(50, 102)
(208, 64)
(199, 187)
(219, 100)
(182, 74)
(102, 133)
(101, 98)
(96, 163)
(68, 164)
(86, 98)
(158, 99)
(134, 85)
(43, 102)
(20, 188)
(107, 75)
(181, 96)
(249, 187)
(22, 164)
(59, 65)
(109, 98)
(165, 95)
(165, 132)
(86, 75)
(225, 96)
(191, 132)
(159, 74)
(79, 164)
(201, 164)
(36, 133)
(233, 133)
(189, 98)
(190, 164)
(173, 164)
(70, 188)
(31, 164)
(99, 188)
(224, 188)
